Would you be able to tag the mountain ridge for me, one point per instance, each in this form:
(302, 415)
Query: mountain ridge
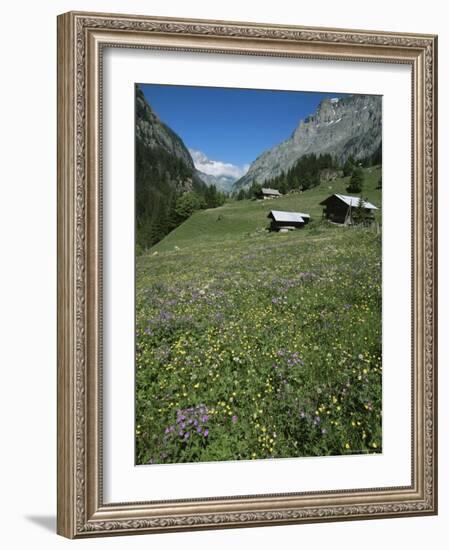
(152, 132)
(344, 127)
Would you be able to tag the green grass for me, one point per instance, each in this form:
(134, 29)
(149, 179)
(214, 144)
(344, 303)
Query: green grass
(236, 218)
(255, 345)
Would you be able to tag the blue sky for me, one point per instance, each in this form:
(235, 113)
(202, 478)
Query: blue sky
(228, 125)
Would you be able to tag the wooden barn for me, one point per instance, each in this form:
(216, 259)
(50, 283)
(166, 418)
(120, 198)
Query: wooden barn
(286, 221)
(267, 193)
(345, 208)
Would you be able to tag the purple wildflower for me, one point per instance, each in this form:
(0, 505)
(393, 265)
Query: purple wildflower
(189, 421)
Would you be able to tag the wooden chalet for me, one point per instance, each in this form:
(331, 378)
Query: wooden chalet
(344, 208)
(287, 221)
(267, 193)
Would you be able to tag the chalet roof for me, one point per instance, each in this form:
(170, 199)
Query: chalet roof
(294, 217)
(268, 191)
(351, 201)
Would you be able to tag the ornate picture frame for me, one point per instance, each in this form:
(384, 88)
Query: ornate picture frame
(82, 39)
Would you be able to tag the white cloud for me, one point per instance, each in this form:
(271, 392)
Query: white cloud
(217, 168)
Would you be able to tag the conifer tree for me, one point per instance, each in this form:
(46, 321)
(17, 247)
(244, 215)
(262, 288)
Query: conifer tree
(356, 181)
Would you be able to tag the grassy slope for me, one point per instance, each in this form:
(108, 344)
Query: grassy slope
(267, 343)
(242, 217)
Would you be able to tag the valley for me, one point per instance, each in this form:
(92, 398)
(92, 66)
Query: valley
(256, 345)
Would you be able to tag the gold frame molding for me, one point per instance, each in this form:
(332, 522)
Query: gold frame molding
(81, 39)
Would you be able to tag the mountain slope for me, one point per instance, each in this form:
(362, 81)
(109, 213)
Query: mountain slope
(152, 133)
(253, 327)
(350, 126)
(222, 183)
(164, 171)
(245, 219)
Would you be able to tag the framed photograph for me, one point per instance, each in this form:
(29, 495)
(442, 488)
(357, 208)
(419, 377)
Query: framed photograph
(247, 248)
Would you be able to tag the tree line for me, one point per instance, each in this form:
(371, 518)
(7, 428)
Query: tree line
(306, 173)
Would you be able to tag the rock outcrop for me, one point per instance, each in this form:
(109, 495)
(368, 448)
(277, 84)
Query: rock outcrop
(343, 127)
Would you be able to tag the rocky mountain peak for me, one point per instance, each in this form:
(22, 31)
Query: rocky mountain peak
(343, 127)
(152, 132)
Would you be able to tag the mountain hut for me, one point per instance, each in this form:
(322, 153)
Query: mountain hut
(267, 193)
(343, 208)
(287, 221)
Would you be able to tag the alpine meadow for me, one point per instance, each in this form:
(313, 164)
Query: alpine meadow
(258, 287)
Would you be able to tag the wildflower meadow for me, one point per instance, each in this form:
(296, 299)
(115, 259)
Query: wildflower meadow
(257, 345)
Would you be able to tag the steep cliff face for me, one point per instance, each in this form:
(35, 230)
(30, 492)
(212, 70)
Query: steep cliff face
(164, 171)
(152, 133)
(350, 126)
